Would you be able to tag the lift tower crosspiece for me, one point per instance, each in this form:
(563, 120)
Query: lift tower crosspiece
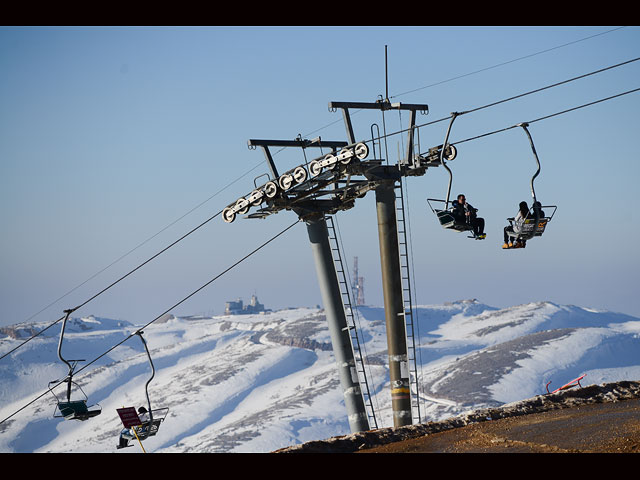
(331, 183)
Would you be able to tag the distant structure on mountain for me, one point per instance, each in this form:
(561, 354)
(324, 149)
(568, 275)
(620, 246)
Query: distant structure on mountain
(357, 284)
(237, 308)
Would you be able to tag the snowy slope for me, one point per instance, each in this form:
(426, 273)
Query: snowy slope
(256, 383)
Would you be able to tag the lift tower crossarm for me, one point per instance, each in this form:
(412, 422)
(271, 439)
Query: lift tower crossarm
(316, 142)
(382, 105)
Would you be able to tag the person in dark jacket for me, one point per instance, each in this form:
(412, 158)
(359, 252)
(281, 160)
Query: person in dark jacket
(465, 214)
(537, 210)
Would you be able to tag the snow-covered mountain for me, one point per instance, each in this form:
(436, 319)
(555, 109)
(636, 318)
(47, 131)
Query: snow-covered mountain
(256, 383)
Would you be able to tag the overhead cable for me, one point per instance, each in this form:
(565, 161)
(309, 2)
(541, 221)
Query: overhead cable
(125, 255)
(116, 282)
(401, 131)
(551, 86)
(479, 71)
(507, 62)
(159, 316)
(548, 116)
(537, 90)
(383, 136)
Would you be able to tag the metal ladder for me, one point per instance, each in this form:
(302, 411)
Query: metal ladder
(351, 325)
(408, 303)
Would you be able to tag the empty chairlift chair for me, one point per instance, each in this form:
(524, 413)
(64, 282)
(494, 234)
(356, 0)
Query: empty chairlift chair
(66, 407)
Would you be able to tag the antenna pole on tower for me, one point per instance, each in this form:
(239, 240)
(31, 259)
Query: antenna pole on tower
(386, 75)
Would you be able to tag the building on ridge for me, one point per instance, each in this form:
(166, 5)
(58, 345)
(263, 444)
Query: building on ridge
(237, 307)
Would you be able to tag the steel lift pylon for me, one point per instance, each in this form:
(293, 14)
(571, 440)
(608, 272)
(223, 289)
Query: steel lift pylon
(324, 186)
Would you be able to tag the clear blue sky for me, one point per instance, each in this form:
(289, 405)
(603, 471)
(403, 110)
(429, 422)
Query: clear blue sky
(110, 135)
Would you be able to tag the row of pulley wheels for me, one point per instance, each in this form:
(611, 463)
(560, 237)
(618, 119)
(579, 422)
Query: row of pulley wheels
(293, 177)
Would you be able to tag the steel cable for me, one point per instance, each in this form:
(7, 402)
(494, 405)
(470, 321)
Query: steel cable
(383, 136)
(158, 317)
(547, 116)
(123, 256)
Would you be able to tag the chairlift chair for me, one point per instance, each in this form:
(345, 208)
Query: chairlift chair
(138, 429)
(535, 223)
(533, 226)
(67, 408)
(445, 214)
(73, 409)
(447, 220)
(134, 427)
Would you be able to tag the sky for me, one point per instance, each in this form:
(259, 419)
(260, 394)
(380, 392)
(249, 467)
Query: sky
(117, 141)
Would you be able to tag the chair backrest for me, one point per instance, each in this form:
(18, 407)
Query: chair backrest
(447, 220)
(530, 227)
(151, 429)
(73, 408)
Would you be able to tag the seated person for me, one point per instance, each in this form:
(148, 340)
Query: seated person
(127, 433)
(523, 211)
(537, 210)
(465, 214)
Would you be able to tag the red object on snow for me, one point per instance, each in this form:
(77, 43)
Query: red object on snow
(571, 384)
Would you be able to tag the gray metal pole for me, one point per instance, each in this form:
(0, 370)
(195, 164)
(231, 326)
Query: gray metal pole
(393, 304)
(334, 311)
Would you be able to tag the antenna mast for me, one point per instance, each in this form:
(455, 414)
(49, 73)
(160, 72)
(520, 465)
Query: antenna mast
(386, 75)
(358, 283)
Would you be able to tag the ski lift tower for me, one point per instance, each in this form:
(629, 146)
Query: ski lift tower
(385, 177)
(324, 186)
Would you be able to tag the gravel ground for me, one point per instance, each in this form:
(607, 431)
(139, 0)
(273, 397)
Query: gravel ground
(597, 418)
(611, 427)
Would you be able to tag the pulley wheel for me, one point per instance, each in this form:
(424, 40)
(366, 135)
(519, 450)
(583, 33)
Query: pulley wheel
(242, 206)
(257, 197)
(361, 151)
(315, 168)
(228, 215)
(300, 174)
(346, 155)
(450, 152)
(285, 181)
(270, 189)
(332, 160)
